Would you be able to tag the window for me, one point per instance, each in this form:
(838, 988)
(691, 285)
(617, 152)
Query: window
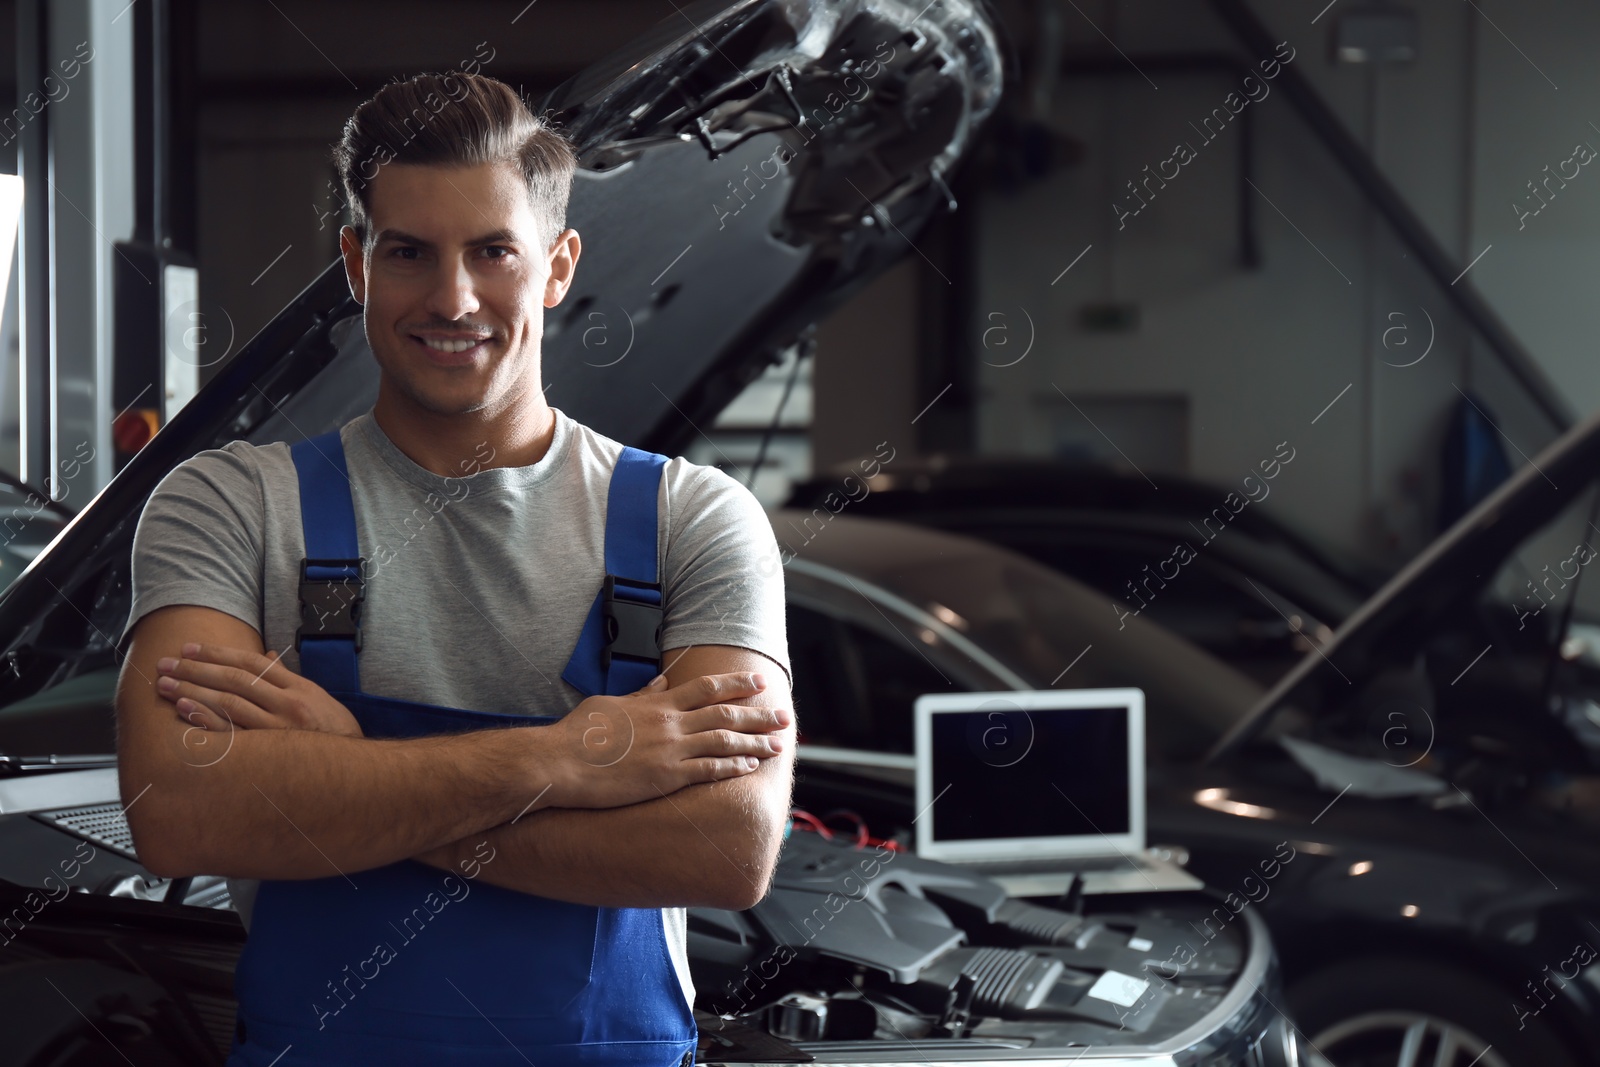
(854, 688)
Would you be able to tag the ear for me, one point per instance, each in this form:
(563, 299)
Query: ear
(563, 264)
(355, 263)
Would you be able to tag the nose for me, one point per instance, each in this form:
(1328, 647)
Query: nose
(454, 293)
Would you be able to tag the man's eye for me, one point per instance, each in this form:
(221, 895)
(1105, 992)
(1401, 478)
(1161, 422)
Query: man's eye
(404, 252)
(497, 251)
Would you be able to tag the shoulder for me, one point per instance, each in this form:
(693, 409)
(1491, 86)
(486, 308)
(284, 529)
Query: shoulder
(704, 501)
(697, 502)
(711, 515)
(237, 481)
(595, 453)
(682, 481)
(704, 485)
(230, 471)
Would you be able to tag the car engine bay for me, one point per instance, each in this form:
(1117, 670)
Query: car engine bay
(861, 950)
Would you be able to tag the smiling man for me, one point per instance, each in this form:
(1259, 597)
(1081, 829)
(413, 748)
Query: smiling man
(316, 692)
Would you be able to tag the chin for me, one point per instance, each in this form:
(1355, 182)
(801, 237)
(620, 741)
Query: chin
(451, 405)
(438, 401)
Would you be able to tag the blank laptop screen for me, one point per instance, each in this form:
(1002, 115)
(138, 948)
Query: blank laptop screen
(1042, 773)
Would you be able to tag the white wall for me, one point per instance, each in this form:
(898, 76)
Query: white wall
(1542, 276)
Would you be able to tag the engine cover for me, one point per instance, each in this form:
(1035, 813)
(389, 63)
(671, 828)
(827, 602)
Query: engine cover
(873, 943)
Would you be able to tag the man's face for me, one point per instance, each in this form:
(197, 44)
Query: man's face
(454, 279)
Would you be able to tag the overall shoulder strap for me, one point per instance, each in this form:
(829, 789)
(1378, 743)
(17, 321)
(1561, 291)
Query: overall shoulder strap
(329, 635)
(619, 648)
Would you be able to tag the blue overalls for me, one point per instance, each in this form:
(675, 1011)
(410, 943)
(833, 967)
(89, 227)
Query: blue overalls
(412, 964)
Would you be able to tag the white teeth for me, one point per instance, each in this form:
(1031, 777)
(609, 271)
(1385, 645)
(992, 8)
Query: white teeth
(441, 345)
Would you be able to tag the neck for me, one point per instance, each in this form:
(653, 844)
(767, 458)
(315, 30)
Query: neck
(458, 446)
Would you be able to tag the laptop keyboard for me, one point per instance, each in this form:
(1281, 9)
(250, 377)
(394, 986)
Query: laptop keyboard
(1059, 865)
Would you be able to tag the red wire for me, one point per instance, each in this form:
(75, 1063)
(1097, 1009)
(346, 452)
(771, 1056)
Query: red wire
(800, 815)
(805, 820)
(861, 824)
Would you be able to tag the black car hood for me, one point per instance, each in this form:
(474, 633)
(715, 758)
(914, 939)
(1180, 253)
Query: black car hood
(1463, 557)
(744, 169)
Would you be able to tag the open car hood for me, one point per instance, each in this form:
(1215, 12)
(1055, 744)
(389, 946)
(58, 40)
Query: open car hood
(1463, 558)
(743, 169)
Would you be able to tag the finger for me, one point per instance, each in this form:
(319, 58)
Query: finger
(258, 664)
(715, 770)
(719, 743)
(654, 685)
(236, 709)
(716, 688)
(735, 717)
(202, 717)
(221, 678)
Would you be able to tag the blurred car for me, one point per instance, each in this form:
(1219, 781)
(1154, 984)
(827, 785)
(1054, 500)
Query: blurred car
(1445, 887)
(1255, 594)
(97, 950)
(1477, 668)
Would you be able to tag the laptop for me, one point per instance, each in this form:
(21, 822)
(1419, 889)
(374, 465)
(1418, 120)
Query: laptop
(1036, 788)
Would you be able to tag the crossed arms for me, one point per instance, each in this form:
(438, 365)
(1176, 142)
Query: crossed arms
(677, 821)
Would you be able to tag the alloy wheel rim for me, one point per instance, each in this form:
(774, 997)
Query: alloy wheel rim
(1417, 1040)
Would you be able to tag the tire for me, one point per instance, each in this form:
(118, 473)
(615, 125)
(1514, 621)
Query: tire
(1362, 1014)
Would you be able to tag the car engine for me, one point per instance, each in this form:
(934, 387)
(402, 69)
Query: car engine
(862, 947)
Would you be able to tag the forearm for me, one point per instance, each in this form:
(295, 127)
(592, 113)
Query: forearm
(288, 804)
(708, 845)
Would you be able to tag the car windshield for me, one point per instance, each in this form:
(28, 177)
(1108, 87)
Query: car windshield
(1047, 629)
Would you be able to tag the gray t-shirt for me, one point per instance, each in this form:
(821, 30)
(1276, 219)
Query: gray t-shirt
(477, 586)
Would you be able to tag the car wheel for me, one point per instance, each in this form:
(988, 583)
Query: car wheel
(1400, 1013)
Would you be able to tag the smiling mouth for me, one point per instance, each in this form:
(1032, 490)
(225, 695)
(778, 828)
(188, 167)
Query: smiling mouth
(452, 344)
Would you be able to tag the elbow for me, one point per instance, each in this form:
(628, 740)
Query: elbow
(161, 868)
(744, 855)
(755, 862)
(158, 840)
(156, 856)
(738, 895)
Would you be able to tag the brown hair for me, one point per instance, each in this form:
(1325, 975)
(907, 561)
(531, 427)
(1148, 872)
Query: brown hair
(455, 120)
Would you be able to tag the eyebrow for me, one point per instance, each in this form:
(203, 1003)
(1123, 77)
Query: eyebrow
(497, 237)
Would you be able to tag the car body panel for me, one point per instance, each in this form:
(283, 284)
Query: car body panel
(1252, 586)
(1429, 876)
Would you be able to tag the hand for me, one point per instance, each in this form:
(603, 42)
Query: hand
(617, 750)
(220, 688)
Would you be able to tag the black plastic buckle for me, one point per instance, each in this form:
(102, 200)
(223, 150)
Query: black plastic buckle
(330, 607)
(632, 627)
